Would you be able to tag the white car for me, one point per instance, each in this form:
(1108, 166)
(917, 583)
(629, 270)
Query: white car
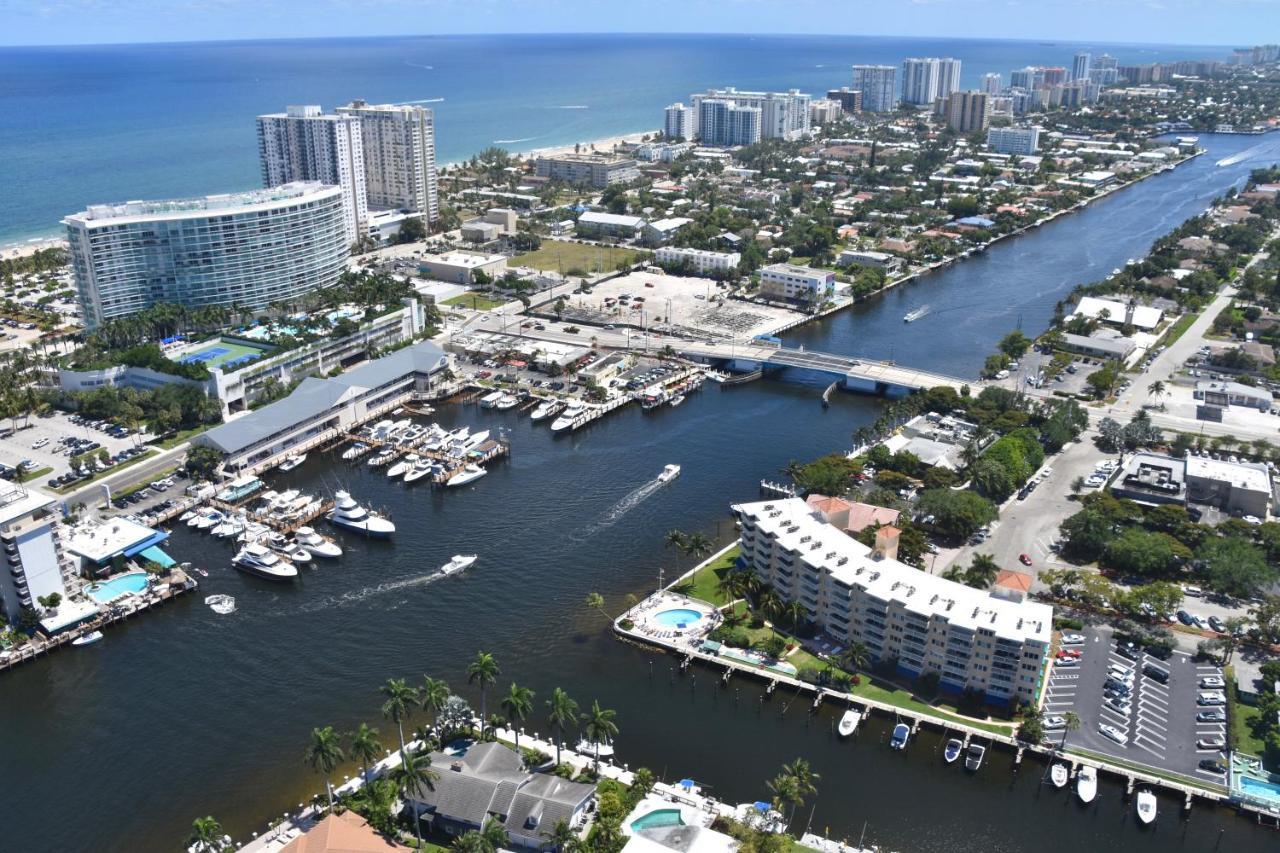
(1211, 698)
(1193, 591)
(1066, 662)
(1072, 639)
(1213, 681)
(1054, 721)
(39, 443)
(1214, 742)
(1114, 734)
(1252, 519)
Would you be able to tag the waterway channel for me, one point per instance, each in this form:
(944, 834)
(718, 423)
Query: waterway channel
(183, 712)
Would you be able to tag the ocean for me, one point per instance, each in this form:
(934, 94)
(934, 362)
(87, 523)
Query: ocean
(91, 124)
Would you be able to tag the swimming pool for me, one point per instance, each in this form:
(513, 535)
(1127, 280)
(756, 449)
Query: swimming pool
(677, 617)
(1259, 790)
(657, 818)
(130, 583)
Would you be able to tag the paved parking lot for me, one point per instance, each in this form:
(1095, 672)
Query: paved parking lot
(52, 428)
(1159, 723)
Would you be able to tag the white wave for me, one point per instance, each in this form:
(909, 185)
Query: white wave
(1247, 154)
(629, 502)
(424, 101)
(368, 592)
(418, 65)
(572, 107)
(510, 141)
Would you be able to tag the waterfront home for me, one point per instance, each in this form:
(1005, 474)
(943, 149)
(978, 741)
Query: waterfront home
(661, 825)
(488, 780)
(342, 833)
(918, 621)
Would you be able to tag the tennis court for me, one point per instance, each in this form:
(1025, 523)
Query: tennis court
(223, 354)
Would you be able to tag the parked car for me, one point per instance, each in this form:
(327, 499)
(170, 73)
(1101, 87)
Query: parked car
(1156, 673)
(1211, 742)
(1211, 698)
(1054, 721)
(1113, 733)
(1024, 559)
(1217, 624)
(1072, 639)
(1212, 715)
(1213, 681)
(1185, 618)
(1212, 765)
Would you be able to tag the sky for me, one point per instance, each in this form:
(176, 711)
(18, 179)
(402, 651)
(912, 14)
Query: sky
(1225, 22)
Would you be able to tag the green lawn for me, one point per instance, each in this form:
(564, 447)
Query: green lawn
(1243, 719)
(182, 435)
(475, 300)
(28, 476)
(562, 256)
(702, 584)
(1178, 329)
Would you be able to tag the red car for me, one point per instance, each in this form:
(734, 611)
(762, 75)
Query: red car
(1024, 559)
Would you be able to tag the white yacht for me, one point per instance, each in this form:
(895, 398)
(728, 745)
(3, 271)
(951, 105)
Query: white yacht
(490, 400)
(87, 639)
(208, 520)
(469, 474)
(381, 430)
(349, 514)
(259, 560)
(421, 468)
(221, 604)
(1146, 806)
(669, 473)
(458, 563)
(382, 457)
(476, 439)
(571, 413)
(506, 401)
(319, 546)
(1087, 784)
(295, 553)
(401, 467)
(544, 410)
(293, 461)
(356, 450)
(849, 722)
(590, 748)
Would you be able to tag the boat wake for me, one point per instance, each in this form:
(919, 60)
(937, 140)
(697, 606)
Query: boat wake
(1247, 154)
(611, 517)
(419, 65)
(424, 101)
(510, 141)
(358, 595)
(572, 107)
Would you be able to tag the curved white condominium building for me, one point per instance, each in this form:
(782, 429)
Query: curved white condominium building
(250, 249)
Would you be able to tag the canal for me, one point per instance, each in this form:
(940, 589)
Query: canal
(184, 713)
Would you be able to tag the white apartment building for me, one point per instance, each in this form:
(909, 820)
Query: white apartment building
(399, 142)
(792, 283)
(594, 170)
(34, 566)
(824, 110)
(879, 87)
(992, 83)
(948, 76)
(1081, 66)
(921, 622)
(250, 248)
(783, 115)
(1013, 140)
(681, 122)
(725, 123)
(924, 79)
(699, 260)
(304, 144)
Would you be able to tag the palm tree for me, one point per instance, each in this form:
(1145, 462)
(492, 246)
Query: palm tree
(563, 714)
(786, 793)
(1072, 722)
(595, 601)
(483, 670)
(495, 834)
(470, 842)
(857, 656)
(324, 755)
(770, 603)
(675, 539)
(413, 774)
(365, 748)
(800, 783)
(206, 835)
(796, 614)
(560, 838)
(600, 728)
(399, 705)
(517, 705)
(697, 544)
(982, 571)
(1156, 389)
(432, 695)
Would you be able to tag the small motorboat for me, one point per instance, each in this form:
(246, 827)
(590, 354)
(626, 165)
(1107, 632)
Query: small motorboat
(849, 722)
(900, 734)
(676, 400)
(221, 604)
(317, 545)
(589, 748)
(187, 516)
(420, 469)
(459, 563)
(669, 473)
(469, 474)
(952, 750)
(1059, 774)
(1146, 806)
(973, 760)
(292, 461)
(356, 450)
(1087, 784)
(382, 457)
(87, 639)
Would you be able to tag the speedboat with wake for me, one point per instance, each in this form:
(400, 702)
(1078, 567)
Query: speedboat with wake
(349, 514)
(460, 562)
(915, 314)
(317, 545)
(669, 473)
(261, 561)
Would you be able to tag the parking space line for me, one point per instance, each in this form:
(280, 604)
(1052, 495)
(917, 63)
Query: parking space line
(1140, 745)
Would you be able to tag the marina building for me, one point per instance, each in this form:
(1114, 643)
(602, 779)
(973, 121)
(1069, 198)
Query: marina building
(250, 248)
(592, 170)
(399, 143)
(783, 115)
(724, 123)
(34, 566)
(878, 85)
(921, 622)
(792, 283)
(680, 122)
(1013, 140)
(700, 261)
(321, 408)
(304, 144)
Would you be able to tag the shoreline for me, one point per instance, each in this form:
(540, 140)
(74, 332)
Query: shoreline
(606, 143)
(28, 247)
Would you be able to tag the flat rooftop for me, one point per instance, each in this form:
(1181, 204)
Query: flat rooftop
(242, 202)
(17, 501)
(100, 541)
(1241, 475)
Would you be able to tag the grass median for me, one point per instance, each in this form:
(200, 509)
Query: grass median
(79, 484)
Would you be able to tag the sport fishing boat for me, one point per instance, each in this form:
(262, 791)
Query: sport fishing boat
(349, 514)
(402, 466)
(87, 639)
(421, 468)
(292, 551)
(952, 751)
(1087, 784)
(1146, 803)
(293, 461)
(669, 473)
(459, 563)
(261, 561)
(474, 440)
(317, 545)
(469, 474)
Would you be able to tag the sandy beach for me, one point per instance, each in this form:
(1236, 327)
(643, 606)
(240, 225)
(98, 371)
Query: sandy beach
(22, 250)
(601, 145)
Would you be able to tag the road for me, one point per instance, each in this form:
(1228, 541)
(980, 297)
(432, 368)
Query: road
(145, 471)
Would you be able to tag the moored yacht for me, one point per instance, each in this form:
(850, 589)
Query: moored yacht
(571, 413)
(544, 410)
(258, 560)
(294, 552)
(356, 450)
(382, 457)
(293, 461)
(421, 468)
(1146, 803)
(469, 474)
(490, 400)
(474, 440)
(1087, 783)
(1059, 774)
(317, 545)
(349, 514)
(506, 401)
(402, 466)
(849, 722)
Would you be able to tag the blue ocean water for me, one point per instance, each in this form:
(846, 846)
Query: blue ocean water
(88, 124)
